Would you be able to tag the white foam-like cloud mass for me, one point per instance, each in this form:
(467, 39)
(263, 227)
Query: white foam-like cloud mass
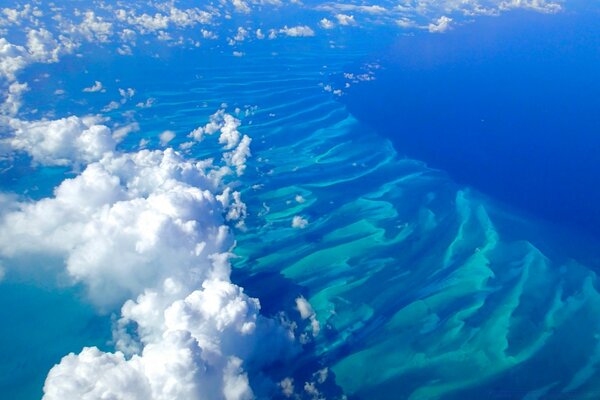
(230, 137)
(166, 137)
(297, 31)
(304, 308)
(345, 20)
(65, 141)
(299, 222)
(326, 24)
(191, 350)
(149, 230)
(307, 312)
(96, 87)
(13, 99)
(12, 59)
(441, 25)
(123, 220)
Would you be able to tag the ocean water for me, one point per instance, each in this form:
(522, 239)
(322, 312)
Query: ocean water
(429, 274)
(508, 105)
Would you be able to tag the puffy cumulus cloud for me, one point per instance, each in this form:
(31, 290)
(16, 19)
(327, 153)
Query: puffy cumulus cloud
(347, 7)
(96, 87)
(168, 16)
(537, 5)
(95, 375)
(297, 31)
(241, 6)
(245, 6)
(192, 349)
(287, 387)
(19, 15)
(307, 313)
(238, 156)
(166, 137)
(345, 20)
(66, 141)
(424, 14)
(226, 123)
(299, 222)
(129, 216)
(13, 100)
(41, 46)
(441, 25)
(12, 59)
(241, 35)
(406, 23)
(230, 137)
(237, 208)
(326, 24)
(148, 230)
(94, 28)
(304, 308)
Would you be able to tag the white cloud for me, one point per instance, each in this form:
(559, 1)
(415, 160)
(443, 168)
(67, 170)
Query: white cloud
(137, 213)
(12, 59)
(18, 15)
(536, 5)
(166, 137)
(12, 102)
(155, 224)
(299, 222)
(287, 387)
(66, 141)
(42, 46)
(326, 24)
(122, 131)
(306, 312)
(126, 94)
(161, 21)
(406, 23)
(238, 156)
(206, 34)
(92, 28)
(229, 137)
(441, 25)
(304, 308)
(96, 87)
(113, 105)
(346, 20)
(241, 6)
(353, 8)
(297, 31)
(147, 104)
(241, 34)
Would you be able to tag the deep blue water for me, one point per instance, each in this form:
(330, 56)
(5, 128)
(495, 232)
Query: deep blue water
(508, 105)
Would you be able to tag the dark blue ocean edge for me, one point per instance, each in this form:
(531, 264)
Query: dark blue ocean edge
(508, 105)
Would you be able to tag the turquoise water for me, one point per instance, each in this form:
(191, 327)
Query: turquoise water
(423, 288)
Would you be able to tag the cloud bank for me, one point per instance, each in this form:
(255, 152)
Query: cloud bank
(149, 230)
